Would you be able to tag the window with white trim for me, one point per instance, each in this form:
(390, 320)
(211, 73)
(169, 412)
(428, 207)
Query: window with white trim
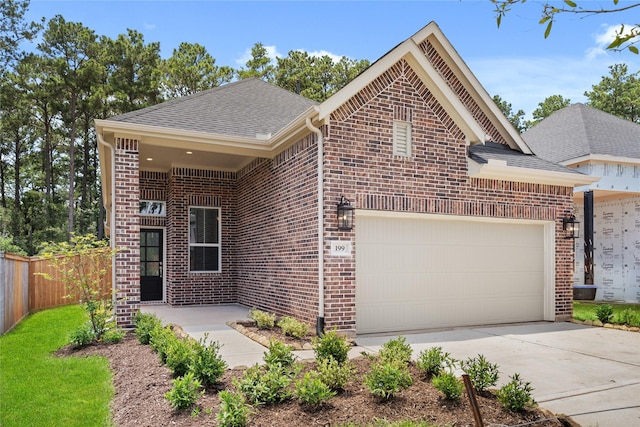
(401, 138)
(204, 239)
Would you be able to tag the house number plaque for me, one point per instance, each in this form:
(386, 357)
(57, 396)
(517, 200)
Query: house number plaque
(341, 248)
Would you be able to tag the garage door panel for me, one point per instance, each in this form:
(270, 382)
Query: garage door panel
(417, 273)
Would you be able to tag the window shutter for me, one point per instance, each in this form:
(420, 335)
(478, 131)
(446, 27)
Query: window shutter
(401, 139)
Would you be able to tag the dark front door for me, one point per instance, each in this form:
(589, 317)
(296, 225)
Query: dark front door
(150, 265)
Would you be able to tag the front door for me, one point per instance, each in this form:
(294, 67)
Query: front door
(151, 265)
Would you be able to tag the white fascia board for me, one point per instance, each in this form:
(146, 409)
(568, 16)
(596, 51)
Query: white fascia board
(601, 158)
(409, 51)
(500, 171)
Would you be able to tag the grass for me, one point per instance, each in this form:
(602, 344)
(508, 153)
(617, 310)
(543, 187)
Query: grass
(39, 389)
(587, 311)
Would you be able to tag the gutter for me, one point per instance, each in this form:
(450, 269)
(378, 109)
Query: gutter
(320, 319)
(112, 211)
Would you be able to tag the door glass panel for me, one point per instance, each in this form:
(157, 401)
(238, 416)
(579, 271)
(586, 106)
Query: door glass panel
(153, 269)
(153, 239)
(143, 270)
(153, 254)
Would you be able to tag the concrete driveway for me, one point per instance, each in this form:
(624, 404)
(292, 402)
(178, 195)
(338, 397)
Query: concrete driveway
(591, 374)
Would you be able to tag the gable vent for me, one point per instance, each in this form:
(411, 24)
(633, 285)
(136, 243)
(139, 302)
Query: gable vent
(401, 138)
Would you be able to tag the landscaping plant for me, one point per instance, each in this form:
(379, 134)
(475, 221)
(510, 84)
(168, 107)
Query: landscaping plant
(160, 341)
(481, 373)
(145, 323)
(628, 317)
(333, 373)
(234, 411)
(81, 264)
(516, 394)
(331, 345)
(185, 392)
(206, 363)
(262, 387)
(386, 379)
(179, 354)
(293, 328)
(433, 361)
(605, 313)
(263, 319)
(311, 390)
(449, 384)
(396, 350)
(279, 354)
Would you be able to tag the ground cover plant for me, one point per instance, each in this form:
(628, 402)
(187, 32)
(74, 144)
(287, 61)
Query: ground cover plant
(624, 314)
(38, 388)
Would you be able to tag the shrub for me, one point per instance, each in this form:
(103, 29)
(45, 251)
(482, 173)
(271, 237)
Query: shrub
(263, 319)
(161, 339)
(605, 313)
(331, 345)
(311, 390)
(433, 361)
(516, 394)
(279, 354)
(293, 328)
(145, 322)
(264, 386)
(449, 384)
(234, 411)
(481, 373)
(386, 379)
(185, 392)
(628, 317)
(333, 373)
(82, 336)
(179, 355)
(206, 363)
(113, 335)
(396, 350)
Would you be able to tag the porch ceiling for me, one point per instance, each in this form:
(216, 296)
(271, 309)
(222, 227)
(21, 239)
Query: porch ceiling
(153, 157)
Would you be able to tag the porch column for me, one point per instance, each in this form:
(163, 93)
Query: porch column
(588, 238)
(126, 231)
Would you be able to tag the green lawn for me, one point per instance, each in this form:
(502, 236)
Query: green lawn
(39, 389)
(587, 311)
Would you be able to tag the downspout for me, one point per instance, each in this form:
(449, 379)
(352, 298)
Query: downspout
(112, 210)
(320, 319)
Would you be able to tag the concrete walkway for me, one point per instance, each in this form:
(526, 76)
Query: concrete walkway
(591, 374)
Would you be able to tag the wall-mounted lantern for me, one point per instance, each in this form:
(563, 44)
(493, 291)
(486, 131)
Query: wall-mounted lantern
(571, 227)
(345, 214)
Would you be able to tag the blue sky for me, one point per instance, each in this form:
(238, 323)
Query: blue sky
(514, 61)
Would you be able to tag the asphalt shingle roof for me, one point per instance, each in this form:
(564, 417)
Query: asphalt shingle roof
(244, 108)
(580, 130)
(514, 158)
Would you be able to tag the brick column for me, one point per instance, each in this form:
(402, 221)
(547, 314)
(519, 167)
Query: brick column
(126, 230)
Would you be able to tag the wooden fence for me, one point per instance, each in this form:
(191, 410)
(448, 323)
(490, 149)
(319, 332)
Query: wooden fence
(23, 289)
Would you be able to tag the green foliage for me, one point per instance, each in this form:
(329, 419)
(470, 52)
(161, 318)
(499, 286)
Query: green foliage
(628, 317)
(263, 319)
(81, 264)
(206, 363)
(311, 390)
(516, 394)
(145, 324)
(605, 313)
(262, 386)
(279, 354)
(293, 327)
(433, 361)
(386, 379)
(331, 345)
(333, 373)
(234, 411)
(587, 311)
(185, 392)
(114, 335)
(161, 339)
(7, 245)
(396, 351)
(482, 373)
(450, 385)
(38, 389)
(179, 354)
(82, 336)
(618, 93)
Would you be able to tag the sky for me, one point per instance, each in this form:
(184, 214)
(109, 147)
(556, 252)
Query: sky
(514, 61)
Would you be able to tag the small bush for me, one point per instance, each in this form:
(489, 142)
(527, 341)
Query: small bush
(396, 350)
(433, 361)
(185, 392)
(386, 379)
(263, 319)
(206, 363)
(481, 373)
(161, 339)
(179, 353)
(145, 323)
(516, 394)
(333, 373)
(293, 328)
(279, 354)
(311, 390)
(234, 411)
(628, 317)
(605, 313)
(449, 384)
(113, 335)
(82, 336)
(263, 387)
(331, 345)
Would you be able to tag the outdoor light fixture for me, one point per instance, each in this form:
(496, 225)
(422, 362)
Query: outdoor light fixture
(571, 227)
(345, 214)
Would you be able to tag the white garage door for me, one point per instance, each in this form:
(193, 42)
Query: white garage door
(423, 271)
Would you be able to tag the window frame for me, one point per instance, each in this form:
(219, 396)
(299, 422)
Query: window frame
(205, 245)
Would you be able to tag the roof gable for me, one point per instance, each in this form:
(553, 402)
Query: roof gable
(579, 130)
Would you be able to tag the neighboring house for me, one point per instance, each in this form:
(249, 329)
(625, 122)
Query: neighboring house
(607, 147)
(219, 197)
